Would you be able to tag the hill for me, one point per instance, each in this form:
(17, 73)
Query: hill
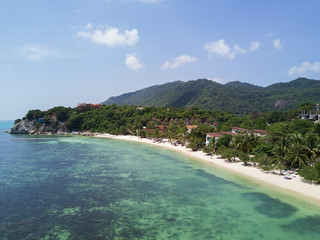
(236, 96)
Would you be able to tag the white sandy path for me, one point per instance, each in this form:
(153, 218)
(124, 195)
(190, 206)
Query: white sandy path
(295, 185)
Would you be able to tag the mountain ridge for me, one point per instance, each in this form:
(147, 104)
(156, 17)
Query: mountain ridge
(235, 96)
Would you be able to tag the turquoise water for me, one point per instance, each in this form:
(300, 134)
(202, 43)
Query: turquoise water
(86, 188)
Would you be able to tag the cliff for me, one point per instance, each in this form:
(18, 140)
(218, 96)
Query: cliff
(34, 127)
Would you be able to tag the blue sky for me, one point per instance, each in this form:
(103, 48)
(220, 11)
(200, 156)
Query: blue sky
(61, 53)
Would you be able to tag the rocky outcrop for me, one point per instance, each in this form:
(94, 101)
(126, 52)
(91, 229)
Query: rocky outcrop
(33, 127)
(24, 127)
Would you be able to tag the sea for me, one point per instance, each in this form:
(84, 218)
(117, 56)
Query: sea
(87, 188)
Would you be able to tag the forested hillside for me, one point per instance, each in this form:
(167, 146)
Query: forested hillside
(234, 96)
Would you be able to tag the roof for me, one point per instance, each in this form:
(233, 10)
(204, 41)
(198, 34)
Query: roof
(229, 133)
(214, 134)
(240, 129)
(161, 128)
(262, 132)
(191, 126)
(220, 134)
(148, 130)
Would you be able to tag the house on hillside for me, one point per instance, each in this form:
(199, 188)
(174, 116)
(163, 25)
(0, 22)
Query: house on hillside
(87, 106)
(312, 115)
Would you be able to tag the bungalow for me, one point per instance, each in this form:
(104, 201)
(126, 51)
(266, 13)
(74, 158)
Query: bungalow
(239, 130)
(190, 127)
(213, 137)
(162, 127)
(258, 132)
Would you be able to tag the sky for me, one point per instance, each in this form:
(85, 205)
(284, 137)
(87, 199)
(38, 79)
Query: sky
(65, 52)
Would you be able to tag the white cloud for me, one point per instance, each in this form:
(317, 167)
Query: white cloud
(88, 26)
(304, 67)
(111, 36)
(220, 48)
(238, 49)
(37, 53)
(132, 62)
(254, 45)
(150, 1)
(178, 61)
(277, 44)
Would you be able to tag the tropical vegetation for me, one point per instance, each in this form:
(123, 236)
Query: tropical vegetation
(240, 98)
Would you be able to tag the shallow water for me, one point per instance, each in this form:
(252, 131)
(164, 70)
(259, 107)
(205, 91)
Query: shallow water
(86, 188)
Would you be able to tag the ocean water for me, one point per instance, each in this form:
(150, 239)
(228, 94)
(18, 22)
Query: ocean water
(87, 188)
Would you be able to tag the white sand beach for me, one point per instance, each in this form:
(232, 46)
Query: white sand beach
(294, 185)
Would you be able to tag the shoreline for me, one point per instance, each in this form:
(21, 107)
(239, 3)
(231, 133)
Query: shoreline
(294, 186)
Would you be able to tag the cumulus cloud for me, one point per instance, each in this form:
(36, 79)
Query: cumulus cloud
(304, 67)
(178, 61)
(220, 48)
(254, 45)
(88, 26)
(277, 44)
(37, 53)
(111, 36)
(132, 62)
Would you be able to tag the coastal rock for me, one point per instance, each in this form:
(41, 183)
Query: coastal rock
(35, 128)
(23, 127)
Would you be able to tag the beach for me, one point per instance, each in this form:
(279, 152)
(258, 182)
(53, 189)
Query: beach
(295, 185)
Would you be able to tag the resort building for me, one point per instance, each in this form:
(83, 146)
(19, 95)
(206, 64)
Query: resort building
(312, 115)
(87, 106)
(258, 132)
(190, 127)
(213, 137)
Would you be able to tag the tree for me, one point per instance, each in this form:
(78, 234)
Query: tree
(245, 142)
(311, 173)
(209, 149)
(280, 152)
(244, 157)
(228, 153)
(34, 114)
(264, 161)
(197, 139)
(224, 141)
(301, 126)
(297, 152)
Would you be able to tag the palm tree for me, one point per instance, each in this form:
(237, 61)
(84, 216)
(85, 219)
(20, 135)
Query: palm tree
(245, 142)
(298, 152)
(280, 153)
(312, 141)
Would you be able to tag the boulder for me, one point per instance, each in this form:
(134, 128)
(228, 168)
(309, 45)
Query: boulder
(23, 127)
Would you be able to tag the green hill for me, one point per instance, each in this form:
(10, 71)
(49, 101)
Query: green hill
(234, 96)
